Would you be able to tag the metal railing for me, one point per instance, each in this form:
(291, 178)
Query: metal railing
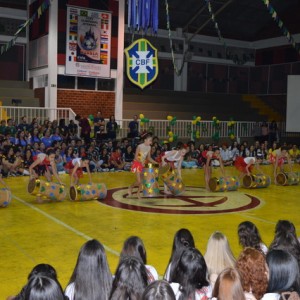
(42, 113)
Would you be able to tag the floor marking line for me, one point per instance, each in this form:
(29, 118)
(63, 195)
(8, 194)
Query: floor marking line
(57, 221)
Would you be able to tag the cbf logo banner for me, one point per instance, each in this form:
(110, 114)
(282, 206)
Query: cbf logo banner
(142, 63)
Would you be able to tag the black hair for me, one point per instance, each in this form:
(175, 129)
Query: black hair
(91, 276)
(130, 280)
(158, 290)
(41, 287)
(190, 273)
(134, 246)
(286, 238)
(182, 239)
(50, 151)
(283, 272)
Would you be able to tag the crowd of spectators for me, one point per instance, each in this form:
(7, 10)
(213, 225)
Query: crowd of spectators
(20, 143)
(258, 272)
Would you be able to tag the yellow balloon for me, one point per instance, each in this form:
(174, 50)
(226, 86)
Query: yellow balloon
(198, 119)
(194, 122)
(142, 116)
(142, 123)
(169, 118)
(170, 133)
(214, 118)
(218, 121)
(171, 139)
(165, 141)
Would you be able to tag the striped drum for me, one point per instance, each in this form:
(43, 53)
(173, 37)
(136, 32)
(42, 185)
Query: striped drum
(172, 180)
(47, 190)
(83, 192)
(5, 197)
(150, 180)
(256, 181)
(223, 184)
(289, 178)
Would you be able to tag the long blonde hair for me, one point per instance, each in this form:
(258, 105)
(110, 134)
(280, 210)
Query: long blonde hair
(218, 254)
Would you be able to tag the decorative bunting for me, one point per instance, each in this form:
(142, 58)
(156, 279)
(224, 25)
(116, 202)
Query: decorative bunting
(41, 9)
(280, 24)
(213, 18)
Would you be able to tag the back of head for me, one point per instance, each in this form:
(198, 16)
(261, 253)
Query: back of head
(44, 269)
(158, 290)
(91, 276)
(251, 265)
(283, 271)
(191, 271)
(130, 279)
(218, 254)
(182, 240)
(43, 288)
(286, 238)
(249, 235)
(134, 246)
(228, 286)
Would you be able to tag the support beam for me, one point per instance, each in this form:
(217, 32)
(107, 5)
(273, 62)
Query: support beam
(194, 18)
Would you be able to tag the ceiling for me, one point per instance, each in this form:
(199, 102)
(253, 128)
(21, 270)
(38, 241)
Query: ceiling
(247, 20)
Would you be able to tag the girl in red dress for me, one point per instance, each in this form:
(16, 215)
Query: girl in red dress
(142, 154)
(75, 166)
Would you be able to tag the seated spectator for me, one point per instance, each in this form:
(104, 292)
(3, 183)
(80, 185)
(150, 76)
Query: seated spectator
(59, 161)
(182, 240)
(40, 269)
(104, 158)
(189, 281)
(158, 290)
(286, 239)
(283, 276)
(47, 139)
(253, 269)
(128, 158)
(130, 279)
(249, 237)
(116, 159)
(91, 278)
(229, 287)
(134, 246)
(295, 153)
(226, 155)
(218, 256)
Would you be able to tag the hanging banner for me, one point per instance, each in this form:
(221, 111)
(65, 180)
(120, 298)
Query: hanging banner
(142, 63)
(88, 42)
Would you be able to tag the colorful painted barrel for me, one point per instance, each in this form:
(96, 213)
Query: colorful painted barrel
(289, 178)
(223, 184)
(45, 189)
(256, 181)
(174, 183)
(84, 192)
(150, 180)
(5, 197)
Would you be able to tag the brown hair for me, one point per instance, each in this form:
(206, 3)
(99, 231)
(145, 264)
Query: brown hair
(253, 270)
(228, 286)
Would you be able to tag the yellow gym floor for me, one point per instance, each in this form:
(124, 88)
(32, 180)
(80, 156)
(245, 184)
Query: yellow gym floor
(53, 233)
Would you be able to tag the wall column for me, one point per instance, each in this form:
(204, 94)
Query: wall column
(51, 89)
(120, 70)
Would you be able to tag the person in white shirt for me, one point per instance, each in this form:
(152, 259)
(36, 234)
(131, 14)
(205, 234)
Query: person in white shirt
(226, 155)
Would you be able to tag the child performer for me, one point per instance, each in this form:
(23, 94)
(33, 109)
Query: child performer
(41, 165)
(75, 166)
(278, 159)
(211, 156)
(246, 164)
(174, 158)
(142, 154)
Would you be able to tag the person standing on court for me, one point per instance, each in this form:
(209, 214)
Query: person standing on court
(85, 128)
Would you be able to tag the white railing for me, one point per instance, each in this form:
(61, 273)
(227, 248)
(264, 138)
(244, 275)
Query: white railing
(42, 113)
(186, 130)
